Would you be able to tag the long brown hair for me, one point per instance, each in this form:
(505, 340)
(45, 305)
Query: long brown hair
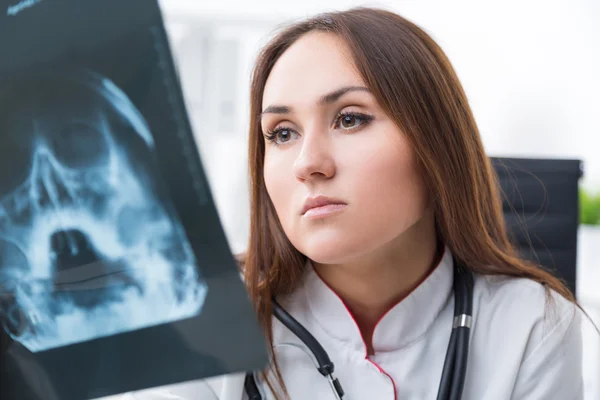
(415, 84)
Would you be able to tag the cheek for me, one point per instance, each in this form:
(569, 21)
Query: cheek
(279, 182)
(389, 189)
(392, 178)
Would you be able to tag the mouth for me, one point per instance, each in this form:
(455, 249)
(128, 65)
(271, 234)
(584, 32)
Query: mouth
(321, 206)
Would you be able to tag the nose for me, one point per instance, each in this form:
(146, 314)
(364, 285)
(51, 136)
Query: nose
(70, 249)
(316, 159)
(97, 281)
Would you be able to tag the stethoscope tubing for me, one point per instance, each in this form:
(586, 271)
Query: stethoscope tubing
(455, 363)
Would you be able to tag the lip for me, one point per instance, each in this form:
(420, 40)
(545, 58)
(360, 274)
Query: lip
(319, 206)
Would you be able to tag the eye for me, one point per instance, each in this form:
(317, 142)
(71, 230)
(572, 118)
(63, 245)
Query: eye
(349, 121)
(280, 135)
(80, 144)
(284, 135)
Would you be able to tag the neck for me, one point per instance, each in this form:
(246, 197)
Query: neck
(391, 273)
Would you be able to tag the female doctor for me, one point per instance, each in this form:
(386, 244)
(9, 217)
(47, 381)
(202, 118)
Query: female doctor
(370, 193)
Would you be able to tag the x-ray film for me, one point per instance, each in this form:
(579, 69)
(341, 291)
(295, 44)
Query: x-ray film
(115, 273)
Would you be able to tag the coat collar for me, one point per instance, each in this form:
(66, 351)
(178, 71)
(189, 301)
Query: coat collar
(403, 324)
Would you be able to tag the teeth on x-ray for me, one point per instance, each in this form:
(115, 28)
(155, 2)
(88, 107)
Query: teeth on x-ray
(87, 247)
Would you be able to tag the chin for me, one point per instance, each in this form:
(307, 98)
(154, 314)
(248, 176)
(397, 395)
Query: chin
(329, 250)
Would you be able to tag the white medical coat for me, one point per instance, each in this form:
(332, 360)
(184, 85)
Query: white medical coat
(521, 347)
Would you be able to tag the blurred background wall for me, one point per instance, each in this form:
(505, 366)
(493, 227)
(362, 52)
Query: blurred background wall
(530, 70)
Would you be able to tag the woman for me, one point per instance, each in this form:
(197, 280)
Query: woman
(369, 183)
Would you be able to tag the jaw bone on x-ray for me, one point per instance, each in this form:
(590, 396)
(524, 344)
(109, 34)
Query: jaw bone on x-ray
(88, 247)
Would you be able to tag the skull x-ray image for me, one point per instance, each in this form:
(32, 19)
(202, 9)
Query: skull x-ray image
(88, 248)
(116, 275)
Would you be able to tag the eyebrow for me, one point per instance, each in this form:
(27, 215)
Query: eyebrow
(328, 98)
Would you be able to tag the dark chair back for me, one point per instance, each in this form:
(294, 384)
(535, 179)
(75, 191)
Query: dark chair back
(541, 210)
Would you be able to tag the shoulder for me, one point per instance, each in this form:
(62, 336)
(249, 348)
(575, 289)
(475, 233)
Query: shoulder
(525, 296)
(531, 331)
(523, 310)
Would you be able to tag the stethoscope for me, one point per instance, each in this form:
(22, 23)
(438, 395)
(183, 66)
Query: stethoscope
(455, 364)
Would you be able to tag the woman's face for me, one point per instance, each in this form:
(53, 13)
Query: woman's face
(329, 142)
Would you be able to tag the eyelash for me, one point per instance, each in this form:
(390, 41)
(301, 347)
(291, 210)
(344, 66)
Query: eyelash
(271, 135)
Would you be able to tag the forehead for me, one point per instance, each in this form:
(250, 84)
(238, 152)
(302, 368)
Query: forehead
(315, 64)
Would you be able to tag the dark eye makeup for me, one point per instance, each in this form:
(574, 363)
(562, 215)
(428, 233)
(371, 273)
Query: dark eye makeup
(346, 121)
